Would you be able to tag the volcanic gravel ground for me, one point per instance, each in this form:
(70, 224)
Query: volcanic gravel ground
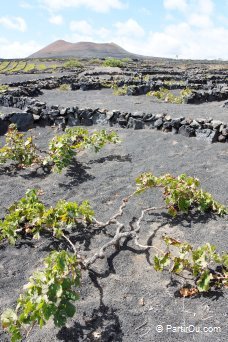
(7, 79)
(122, 297)
(104, 98)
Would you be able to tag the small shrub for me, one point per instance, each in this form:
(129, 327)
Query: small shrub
(172, 82)
(181, 194)
(29, 216)
(48, 294)
(3, 66)
(72, 63)
(19, 149)
(62, 148)
(54, 67)
(95, 61)
(107, 84)
(41, 67)
(3, 88)
(11, 66)
(126, 60)
(120, 91)
(64, 87)
(113, 62)
(20, 66)
(165, 95)
(29, 67)
(207, 268)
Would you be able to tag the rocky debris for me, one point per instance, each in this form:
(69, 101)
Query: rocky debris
(24, 121)
(207, 134)
(4, 123)
(36, 112)
(225, 104)
(29, 90)
(187, 131)
(204, 88)
(135, 123)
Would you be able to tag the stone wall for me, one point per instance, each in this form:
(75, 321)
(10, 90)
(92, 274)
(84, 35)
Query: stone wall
(201, 93)
(38, 113)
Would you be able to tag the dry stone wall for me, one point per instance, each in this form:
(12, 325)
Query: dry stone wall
(39, 113)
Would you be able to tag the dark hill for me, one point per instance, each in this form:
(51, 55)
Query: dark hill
(61, 48)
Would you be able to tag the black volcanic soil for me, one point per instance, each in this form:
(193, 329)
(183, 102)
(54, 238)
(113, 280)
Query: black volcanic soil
(122, 297)
(105, 98)
(7, 79)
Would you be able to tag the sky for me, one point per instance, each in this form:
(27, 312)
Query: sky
(191, 29)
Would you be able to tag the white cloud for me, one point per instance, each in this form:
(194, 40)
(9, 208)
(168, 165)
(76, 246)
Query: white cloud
(192, 38)
(78, 37)
(205, 6)
(83, 31)
(17, 49)
(14, 23)
(94, 5)
(196, 12)
(129, 28)
(56, 19)
(199, 20)
(103, 33)
(187, 42)
(26, 5)
(180, 5)
(81, 26)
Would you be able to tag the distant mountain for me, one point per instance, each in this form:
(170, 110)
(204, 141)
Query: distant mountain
(61, 48)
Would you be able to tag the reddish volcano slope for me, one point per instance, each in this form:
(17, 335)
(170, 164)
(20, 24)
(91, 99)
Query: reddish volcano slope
(61, 48)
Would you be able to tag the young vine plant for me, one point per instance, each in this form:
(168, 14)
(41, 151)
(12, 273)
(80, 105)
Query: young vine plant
(30, 216)
(181, 194)
(48, 294)
(62, 148)
(52, 291)
(207, 268)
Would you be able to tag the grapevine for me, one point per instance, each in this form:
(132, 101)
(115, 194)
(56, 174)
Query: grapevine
(62, 148)
(51, 291)
(204, 264)
(30, 216)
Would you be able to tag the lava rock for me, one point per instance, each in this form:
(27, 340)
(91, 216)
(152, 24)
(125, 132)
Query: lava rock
(158, 123)
(149, 117)
(4, 124)
(23, 121)
(176, 122)
(99, 118)
(167, 125)
(135, 123)
(73, 120)
(225, 132)
(216, 124)
(207, 135)
(195, 124)
(187, 131)
(221, 138)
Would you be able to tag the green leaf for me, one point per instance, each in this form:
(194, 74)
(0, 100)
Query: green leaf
(59, 319)
(178, 265)
(48, 310)
(7, 317)
(70, 309)
(15, 334)
(203, 283)
(161, 262)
